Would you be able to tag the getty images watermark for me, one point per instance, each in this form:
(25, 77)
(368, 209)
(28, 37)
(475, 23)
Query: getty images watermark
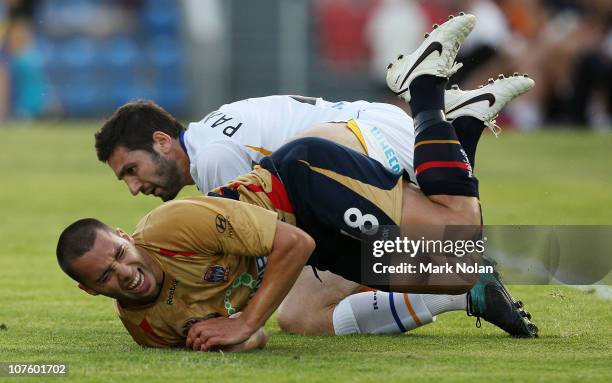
(423, 247)
(448, 255)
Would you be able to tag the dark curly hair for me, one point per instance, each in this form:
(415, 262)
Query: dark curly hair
(132, 126)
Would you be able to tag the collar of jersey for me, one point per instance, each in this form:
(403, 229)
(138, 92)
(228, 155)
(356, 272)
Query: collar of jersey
(182, 141)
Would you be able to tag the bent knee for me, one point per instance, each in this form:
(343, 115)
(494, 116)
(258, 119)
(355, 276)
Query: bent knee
(305, 322)
(463, 210)
(288, 321)
(292, 321)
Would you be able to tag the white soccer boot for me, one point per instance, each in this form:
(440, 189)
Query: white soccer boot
(487, 101)
(436, 55)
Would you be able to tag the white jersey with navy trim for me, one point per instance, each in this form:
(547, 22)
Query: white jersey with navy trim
(227, 142)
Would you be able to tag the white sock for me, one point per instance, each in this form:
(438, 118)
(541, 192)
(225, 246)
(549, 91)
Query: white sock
(377, 312)
(438, 304)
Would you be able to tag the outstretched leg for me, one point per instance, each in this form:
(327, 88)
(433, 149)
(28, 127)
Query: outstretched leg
(442, 166)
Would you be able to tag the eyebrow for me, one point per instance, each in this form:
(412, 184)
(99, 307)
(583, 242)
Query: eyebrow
(117, 251)
(124, 169)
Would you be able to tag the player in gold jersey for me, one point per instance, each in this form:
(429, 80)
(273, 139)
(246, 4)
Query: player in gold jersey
(187, 261)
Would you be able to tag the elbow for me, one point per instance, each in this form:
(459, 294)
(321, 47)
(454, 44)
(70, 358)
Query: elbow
(311, 244)
(306, 245)
(292, 245)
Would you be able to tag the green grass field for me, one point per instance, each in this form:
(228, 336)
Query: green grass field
(50, 177)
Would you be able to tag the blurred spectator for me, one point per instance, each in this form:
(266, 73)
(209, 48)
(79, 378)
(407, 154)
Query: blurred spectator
(4, 84)
(567, 33)
(22, 78)
(561, 44)
(342, 32)
(205, 31)
(395, 26)
(4, 91)
(486, 42)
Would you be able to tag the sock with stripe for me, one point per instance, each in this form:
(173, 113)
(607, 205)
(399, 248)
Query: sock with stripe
(468, 130)
(440, 163)
(378, 312)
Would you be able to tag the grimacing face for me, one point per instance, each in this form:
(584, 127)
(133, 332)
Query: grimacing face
(116, 268)
(147, 173)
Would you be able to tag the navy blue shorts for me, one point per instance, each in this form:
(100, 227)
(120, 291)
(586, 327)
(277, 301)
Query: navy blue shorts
(337, 195)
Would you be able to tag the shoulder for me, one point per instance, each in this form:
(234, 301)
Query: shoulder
(173, 215)
(186, 225)
(166, 218)
(219, 161)
(218, 147)
(182, 208)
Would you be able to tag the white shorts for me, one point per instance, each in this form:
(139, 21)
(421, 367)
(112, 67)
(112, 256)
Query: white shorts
(388, 133)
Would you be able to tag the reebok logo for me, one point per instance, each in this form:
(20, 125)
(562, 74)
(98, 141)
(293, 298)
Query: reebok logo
(171, 291)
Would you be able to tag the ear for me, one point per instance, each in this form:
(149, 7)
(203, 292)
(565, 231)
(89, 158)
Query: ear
(87, 289)
(162, 142)
(121, 233)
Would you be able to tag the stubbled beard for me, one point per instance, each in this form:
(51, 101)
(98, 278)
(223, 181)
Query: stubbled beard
(168, 175)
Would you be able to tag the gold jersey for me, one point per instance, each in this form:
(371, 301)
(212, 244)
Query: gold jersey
(213, 254)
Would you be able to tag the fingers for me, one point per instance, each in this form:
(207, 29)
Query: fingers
(211, 344)
(194, 334)
(194, 331)
(192, 337)
(197, 343)
(217, 332)
(200, 342)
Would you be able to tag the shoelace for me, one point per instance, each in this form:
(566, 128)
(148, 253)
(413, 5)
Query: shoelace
(469, 310)
(493, 127)
(453, 69)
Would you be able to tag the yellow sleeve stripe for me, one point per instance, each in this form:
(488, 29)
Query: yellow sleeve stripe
(263, 151)
(352, 125)
(427, 142)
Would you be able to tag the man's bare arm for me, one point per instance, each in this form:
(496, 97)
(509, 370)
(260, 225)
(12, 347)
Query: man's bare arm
(290, 250)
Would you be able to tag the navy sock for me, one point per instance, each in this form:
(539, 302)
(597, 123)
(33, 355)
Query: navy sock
(427, 93)
(469, 129)
(440, 163)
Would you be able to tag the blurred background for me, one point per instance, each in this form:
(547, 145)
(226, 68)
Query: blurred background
(64, 59)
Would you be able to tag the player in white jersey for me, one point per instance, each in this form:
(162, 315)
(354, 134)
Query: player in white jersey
(149, 150)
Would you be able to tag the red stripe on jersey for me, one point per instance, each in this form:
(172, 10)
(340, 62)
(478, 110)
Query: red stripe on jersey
(146, 327)
(441, 164)
(279, 196)
(170, 253)
(254, 188)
